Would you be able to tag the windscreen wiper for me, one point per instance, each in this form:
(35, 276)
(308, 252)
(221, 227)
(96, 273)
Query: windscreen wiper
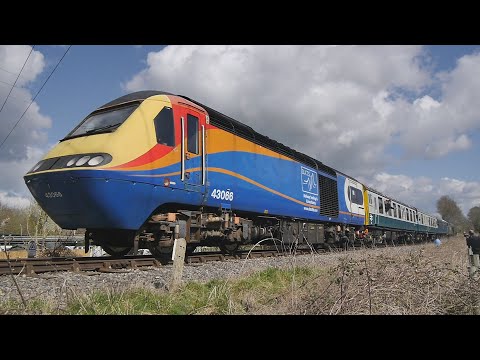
(103, 128)
(106, 128)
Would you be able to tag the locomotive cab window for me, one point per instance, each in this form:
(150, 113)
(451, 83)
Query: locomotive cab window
(103, 121)
(192, 134)
(355, 196)
(164, 127)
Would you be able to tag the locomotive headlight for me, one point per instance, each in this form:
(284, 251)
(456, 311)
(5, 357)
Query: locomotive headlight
(95, 160)
(71, 162)
(82, 160)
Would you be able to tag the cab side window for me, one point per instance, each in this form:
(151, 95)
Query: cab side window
(164, 127)
(192, 134)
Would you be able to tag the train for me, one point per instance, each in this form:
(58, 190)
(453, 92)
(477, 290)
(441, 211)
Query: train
(150, 167)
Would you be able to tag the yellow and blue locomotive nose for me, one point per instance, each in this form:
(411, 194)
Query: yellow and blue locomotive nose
(97, 176)
(91, 198)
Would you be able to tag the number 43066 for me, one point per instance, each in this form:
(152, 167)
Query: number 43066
(222, 194)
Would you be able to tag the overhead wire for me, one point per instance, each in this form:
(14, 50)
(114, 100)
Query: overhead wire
(10, 72)
(18, 76)
(6, 83)
(38, 92)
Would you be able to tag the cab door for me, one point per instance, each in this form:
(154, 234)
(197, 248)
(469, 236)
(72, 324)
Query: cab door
(193, 150)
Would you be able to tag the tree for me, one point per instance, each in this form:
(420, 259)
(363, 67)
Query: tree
(448, 208)
(30, 221)
(474, 217)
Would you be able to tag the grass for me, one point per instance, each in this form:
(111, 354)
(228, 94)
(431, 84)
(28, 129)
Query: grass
(214, 297)
(248, 295)
(418, 280)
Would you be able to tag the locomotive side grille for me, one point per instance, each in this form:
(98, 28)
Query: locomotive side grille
(328, 196)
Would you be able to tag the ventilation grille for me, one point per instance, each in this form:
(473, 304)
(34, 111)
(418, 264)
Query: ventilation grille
(328, 196)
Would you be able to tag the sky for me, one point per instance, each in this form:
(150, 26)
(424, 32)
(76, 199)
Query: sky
(404, 120)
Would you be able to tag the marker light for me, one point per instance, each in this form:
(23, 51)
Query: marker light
(71, 162)
(95, 160)
(82, 160)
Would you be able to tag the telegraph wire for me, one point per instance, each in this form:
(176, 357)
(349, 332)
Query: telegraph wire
(6, 83)
(18, 76)
(3, 142)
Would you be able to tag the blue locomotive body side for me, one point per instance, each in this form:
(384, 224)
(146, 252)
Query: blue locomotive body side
(264, 184)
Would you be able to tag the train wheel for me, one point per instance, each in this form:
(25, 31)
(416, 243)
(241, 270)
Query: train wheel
(230, 248)
(161, 253)
(117, 251)
(190, 249)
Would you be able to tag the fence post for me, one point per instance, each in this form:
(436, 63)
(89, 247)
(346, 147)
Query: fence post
(178, 257)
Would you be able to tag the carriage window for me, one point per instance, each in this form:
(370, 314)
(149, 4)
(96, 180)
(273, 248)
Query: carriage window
(380, 205)
(192, 134)
(164, 127)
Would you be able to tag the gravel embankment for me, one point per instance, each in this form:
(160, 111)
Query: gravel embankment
(59, 286)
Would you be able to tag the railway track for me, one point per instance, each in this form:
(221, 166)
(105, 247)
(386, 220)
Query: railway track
(33, 266)
(108, 264)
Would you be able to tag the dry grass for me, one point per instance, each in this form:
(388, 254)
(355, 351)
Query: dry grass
(425, 280)
(17, 254)
(400, 280)
(57, 252)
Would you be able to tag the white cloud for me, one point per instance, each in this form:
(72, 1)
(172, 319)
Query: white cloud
(12, 58)
(424, 192)
(33, 126)
(420, 192)
(11, 177)
(466, 193)
(27, 143)
(325, 101)
(436, 128)
(14, 200)
(329, 101)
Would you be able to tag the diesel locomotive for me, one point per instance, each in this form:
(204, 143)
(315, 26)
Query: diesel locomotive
(151, 166)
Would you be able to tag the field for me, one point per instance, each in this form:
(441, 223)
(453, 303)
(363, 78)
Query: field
(422, 279)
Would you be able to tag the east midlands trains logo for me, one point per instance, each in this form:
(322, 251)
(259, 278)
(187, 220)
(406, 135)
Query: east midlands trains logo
(309, 182)
(310, 189)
